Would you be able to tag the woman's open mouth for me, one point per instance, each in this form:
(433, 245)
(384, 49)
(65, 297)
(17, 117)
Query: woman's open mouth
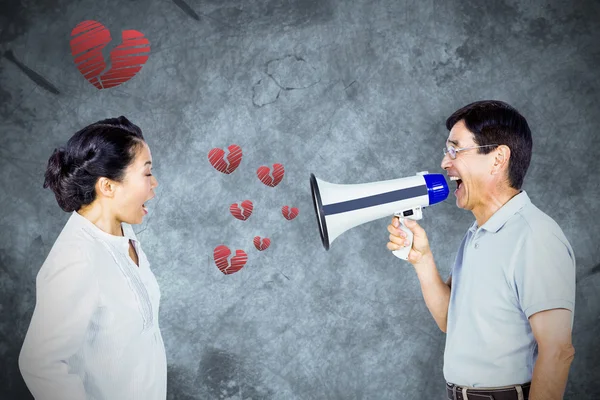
(144, 206)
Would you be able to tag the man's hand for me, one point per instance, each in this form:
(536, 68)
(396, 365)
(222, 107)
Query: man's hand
(552, 331)
(420, 246)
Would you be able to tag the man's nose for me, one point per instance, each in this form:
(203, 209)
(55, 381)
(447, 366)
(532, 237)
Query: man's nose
(445, 162)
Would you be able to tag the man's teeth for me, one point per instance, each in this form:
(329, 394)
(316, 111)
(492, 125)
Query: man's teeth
(454, 178)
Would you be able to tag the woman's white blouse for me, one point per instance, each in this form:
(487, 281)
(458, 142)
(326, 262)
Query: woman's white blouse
(94, 333)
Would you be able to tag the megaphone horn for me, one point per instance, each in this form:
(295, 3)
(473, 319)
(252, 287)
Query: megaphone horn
(341, 207)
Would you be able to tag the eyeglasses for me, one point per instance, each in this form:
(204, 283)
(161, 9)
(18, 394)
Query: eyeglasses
(452, 151)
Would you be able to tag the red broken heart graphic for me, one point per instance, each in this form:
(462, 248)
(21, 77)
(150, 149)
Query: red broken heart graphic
(127, 59)
(289, 214)
(266, 242)
(263, 175)
(244, 213)
(221, 253)
(215, 156)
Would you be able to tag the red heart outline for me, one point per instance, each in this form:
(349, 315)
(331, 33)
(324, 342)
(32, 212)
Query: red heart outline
(263, 174)
(244, 213)
(266, 242)
(126, 60)
(222, 252)
(289, 214)
(215, 157)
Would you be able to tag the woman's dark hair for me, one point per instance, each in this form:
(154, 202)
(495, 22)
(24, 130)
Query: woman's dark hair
(495, 122)
(103, 149)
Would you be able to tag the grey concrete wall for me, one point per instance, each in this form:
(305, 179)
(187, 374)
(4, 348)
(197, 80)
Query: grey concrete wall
(352, 91)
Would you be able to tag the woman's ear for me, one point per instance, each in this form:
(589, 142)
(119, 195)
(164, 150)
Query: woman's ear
(106, 187)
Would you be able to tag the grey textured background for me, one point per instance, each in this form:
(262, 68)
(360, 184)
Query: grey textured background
(353, 91)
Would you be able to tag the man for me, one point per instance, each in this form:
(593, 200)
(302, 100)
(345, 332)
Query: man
(507, 307)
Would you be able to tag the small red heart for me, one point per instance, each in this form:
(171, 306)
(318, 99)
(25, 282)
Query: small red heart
(215, 156)
(244, 213)
(127, 59)
(289, 214)
(266, 242)
(263, 174)
(221, 253)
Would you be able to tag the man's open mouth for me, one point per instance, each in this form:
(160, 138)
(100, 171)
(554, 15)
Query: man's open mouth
(458, 181)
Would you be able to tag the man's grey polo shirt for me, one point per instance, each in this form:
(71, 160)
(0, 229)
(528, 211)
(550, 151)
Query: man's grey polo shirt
(518, 263)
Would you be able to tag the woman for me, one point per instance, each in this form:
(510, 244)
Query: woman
(94, 332)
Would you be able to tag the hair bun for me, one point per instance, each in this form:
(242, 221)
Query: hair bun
(60, 161)
(55, 169)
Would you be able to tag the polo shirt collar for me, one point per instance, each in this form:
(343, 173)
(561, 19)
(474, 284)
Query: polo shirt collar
(118, 241)
(505, 212)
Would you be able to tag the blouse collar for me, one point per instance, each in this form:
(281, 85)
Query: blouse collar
(119, 241)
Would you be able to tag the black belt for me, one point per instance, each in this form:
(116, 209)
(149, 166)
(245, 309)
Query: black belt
(504, 393)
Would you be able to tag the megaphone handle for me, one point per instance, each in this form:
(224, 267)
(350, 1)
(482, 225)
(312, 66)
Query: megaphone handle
(403, 252)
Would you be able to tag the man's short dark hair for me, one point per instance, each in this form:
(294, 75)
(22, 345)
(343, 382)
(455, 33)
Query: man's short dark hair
(496, 122)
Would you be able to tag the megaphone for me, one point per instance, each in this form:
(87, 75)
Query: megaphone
(342, 207)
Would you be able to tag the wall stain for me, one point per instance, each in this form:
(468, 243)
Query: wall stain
(225, 375)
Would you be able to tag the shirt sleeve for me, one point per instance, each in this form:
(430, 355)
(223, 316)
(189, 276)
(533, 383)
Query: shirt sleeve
(66, 297)
(545, 275)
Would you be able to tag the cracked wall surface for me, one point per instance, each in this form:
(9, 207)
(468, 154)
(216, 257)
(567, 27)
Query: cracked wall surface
(352, 91)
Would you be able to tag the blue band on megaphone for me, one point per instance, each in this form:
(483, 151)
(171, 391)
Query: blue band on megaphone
(375, 200)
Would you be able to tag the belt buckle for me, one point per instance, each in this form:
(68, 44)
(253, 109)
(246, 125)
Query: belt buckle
(458, 392)
(461, 393)
(454, 389)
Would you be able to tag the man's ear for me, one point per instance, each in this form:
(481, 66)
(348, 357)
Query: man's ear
(106, 187)
(501, 157)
